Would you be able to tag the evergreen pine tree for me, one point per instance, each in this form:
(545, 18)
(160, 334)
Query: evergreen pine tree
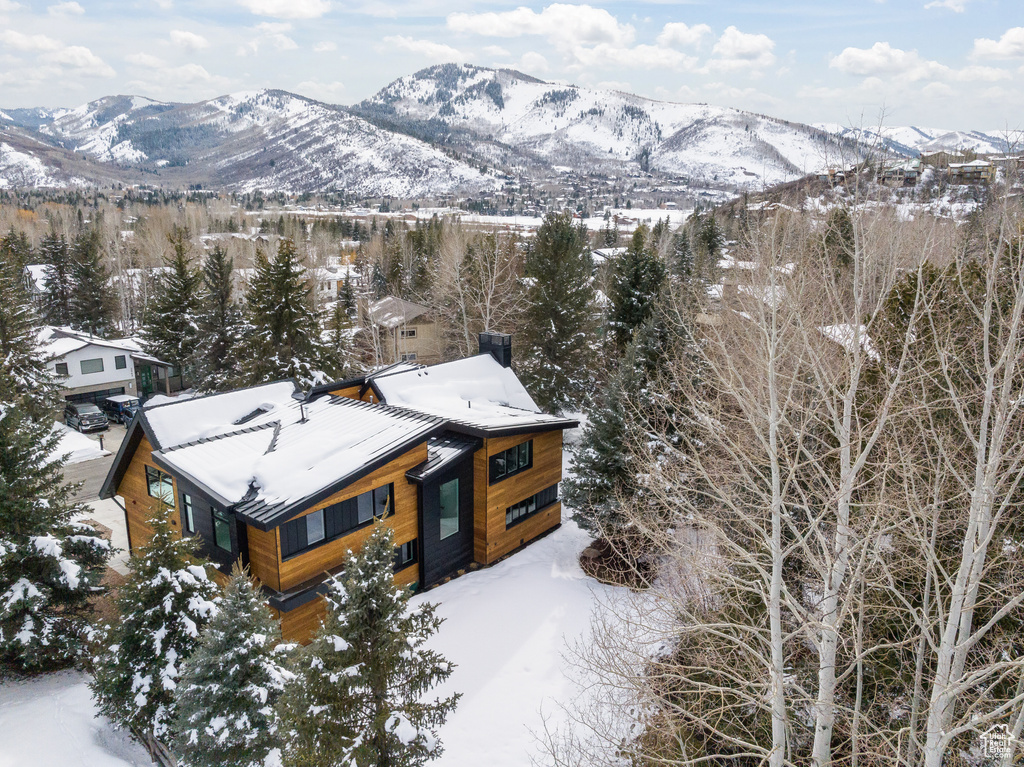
(282, 337)
(171, 330)
(57, 299)
(90, 306)
(339, 356)
(49, 565)
(16, 249)
(215, 360)
(556, 367)
(347, 297)
(163, 605)
(682, 265)
(228, 687)
(359, 695)
(638, 278)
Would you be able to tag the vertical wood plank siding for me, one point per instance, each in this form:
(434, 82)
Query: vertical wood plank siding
(139, 504)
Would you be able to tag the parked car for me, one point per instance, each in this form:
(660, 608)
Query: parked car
(120, 408)
(85, 416)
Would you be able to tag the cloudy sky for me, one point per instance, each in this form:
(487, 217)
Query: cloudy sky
(954, 64)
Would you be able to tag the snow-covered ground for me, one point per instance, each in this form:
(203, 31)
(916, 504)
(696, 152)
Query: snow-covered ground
(505, 627)
(77, 446)
(50, 721)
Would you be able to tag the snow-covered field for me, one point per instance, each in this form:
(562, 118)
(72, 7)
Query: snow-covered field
(505, 627)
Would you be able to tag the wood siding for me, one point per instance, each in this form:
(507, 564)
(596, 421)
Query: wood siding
(264, 562)
(350, 392)
(490, 538)
(139, 504)
(405, 521)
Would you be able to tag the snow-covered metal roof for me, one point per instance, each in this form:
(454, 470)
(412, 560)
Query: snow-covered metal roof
(391, 311)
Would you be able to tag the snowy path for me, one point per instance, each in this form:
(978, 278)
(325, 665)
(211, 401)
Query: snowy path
(506, 628)
(50, 721)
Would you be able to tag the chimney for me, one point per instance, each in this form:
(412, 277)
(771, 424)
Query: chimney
(499, 346)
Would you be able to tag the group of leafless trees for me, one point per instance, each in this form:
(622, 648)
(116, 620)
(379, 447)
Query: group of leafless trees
(839, 526)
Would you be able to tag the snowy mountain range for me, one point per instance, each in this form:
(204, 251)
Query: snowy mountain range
(448, 128)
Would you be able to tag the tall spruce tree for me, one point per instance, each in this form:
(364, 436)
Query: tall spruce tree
(359, 696)
(91, 304)
(557, 365)
(215, 361)
(282, 334)
(639, 275)
(16, 249)
(49, 565)
(228, 687)
(54, 252)
(171, 332)
(682, 262)
(163, 605)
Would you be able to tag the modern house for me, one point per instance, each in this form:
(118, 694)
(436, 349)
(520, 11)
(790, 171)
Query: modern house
(404, 331)
(456, 458)
(974, 172)
(90, 368)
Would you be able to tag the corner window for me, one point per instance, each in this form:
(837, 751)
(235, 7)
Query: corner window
(61, 369)
(512, 461)
(187, 516)
(120, 362)
(405, 555)
(517, 512)
(92, 366)
(221, 530)
(159, 485)
(449, 508)
(336, 520)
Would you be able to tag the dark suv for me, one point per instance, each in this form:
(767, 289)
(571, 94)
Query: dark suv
(85, 416)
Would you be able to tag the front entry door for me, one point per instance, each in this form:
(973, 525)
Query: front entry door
(448, 522)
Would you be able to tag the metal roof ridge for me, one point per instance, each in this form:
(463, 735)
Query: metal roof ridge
(276, 424)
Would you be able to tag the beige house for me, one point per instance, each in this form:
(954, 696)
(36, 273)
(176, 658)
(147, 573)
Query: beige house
(403, 331)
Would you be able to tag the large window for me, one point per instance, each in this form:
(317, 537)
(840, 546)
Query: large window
(519, 511)
(188, 518)
(511, 461)
(160, 485)
(222, 530)
(92, 366)
(336, 520)
(120, 362)
(449, 508)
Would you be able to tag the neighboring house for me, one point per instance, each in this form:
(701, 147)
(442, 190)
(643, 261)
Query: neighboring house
(35, 282)
(974, 172)
(90, 368)
(900, 174)
(405, 331)
(456, 458)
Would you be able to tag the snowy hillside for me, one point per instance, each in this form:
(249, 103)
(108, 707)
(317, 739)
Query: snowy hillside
(589, 129)
(912, 140)
(266, 139)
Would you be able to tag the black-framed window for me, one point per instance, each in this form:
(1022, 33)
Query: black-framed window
(449, 508)
(61, 369)
(120, 362)
(92, 366)
(512, 461)
(405, 555)
(336, 520)
(517, 512)
(409, 333)
(409, 357)
(221, 530)
(187, 515)
(159, 485)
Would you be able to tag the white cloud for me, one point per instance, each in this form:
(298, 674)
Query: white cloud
(1009, 46)
(676, 33)
(985, 74)
(427, 48)
(22, 42)
(269, 33)
(957, 6)
(66, 9)
(737, 50)
(936, 91)
(532, 61)
(495, 52)
(80, 60)
(164, 5)
(287, 9)
(188, 40)
(325, 47)
(881, 59)
(329, 92)
(559, 23)
(637, 57)
(9, 5)
(145, 60)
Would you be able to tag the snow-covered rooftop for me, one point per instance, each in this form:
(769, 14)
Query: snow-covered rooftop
(391, 311)
(475, 391)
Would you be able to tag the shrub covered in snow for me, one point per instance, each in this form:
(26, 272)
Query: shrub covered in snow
(359, 696)
(228, 687)
(163, 605)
